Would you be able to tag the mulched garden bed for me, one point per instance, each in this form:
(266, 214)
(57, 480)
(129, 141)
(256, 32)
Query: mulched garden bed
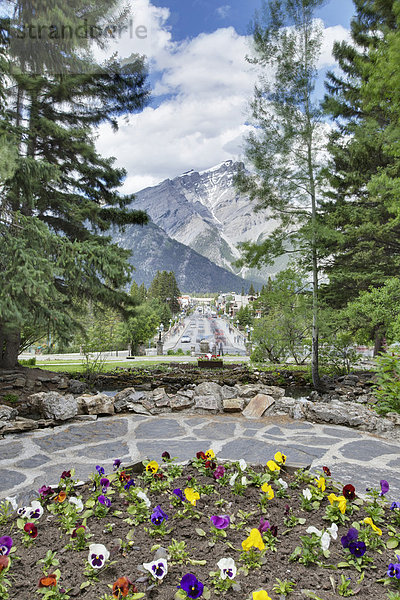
(188, 541)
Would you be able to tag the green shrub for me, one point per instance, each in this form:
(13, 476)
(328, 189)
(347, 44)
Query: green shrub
(387, 388)
(10, 398)
(29, 362)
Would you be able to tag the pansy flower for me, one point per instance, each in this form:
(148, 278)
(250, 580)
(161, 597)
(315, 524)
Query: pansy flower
(116, 464)
(394, 505)
(280, 458)
(220, 521)
(100, 470)
(254, 540)
(267, 489)
(264, 525)
(34, 511)
(158, 568)
(210, 454)
(192, 586)
(123, 476)
(31, 530)
(200, 455)
(327, 471)
(321, 483)
(152, 466)
(104, 500)
(227, 568)
(60, 497)
(122, 587)
(272, 466)
(341, 500)
(349, 492)
(65, 475)
(4, 563)
(370, 522)
(261, 595)
(210, 464)
(192, 496)
(166, 455)
(6, 543)
(357, 548)
(394, 569)
(98, 554)
(351, 536)
(105, 483)
(274, 530)
(48, 581)
(77, 502)
(219, 472)
(307, 494)
(129, 484)
(384, 487)
(79, 530)
(45, 491)
(142, 496)
(158, 516)
(178, 492)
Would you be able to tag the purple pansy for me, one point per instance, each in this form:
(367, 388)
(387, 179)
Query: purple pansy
(220, 521)
(129, 484)
(105, 483)
(357, 548)
(5, 545)
(394, 570)
(45, 491)
(395, 505)
(178, 492)
(100, 470)
(116, 464)
(104, 500)
(192, 586)
(166, 455)
(158, 516)
(219, 472)
(351, 536)
(384, 487)
(263, 526)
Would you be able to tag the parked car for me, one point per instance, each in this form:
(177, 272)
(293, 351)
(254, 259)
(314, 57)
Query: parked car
(185, 339)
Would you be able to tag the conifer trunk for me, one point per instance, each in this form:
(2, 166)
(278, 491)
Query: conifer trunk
(9, 348)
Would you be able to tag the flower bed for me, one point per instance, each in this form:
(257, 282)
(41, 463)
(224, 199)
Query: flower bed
(200, 531)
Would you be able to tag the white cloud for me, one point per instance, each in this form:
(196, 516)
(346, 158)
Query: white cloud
(204, 86)
(223, 11)
(330, 36)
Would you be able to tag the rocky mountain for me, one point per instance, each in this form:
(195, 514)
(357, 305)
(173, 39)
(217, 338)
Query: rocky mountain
(204, 211)
(152, 249)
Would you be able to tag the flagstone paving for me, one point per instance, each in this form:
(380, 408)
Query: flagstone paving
(29, 460)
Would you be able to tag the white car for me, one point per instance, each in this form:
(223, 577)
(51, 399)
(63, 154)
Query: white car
(185, 339)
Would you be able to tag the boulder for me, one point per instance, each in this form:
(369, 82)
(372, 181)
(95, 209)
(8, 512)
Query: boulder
(258, 405)
(180, 402)
(208, 388)
(232, 405)
(125, 400)
(98, 404)
(249, 390)
(77, 387)
(51, 405)
(228, 391)
(7, 413)
(208, 404)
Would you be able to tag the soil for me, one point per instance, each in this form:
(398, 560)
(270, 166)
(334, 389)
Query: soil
(25, 571)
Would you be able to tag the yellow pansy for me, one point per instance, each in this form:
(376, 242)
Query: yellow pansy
(272, 466)
(268, 490)
(152, 466)
(280, 458)
(192, 496)
(341, 500)
(369, 521)
(261, 595)
(210, 454)
(321, 483)
(254, 540)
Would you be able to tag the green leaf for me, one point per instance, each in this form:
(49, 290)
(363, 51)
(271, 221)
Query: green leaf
(130, 535)
(301, 521)
(90, 503)
(155, 548)
(206, 594)
(200, 532)
(392, 543)
(343, 565)
(20, 523)
(84, 585)
(87, 514)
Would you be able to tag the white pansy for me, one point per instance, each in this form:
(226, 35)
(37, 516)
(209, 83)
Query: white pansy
(307, 494)
(158, 568)
(283, 483)
(244, 480)
(34, 511)
(13, 501)
(325, 541)
(313, 529)
(242, 464)
(143, 497)
(227, 567)
(233, 479)
(333, 531)
(98, 554)
(77, 502)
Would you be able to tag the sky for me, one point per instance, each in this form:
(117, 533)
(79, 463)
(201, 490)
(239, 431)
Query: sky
(201, 84)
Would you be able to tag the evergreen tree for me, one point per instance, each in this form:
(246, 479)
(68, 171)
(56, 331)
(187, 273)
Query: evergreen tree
(62, 195)
(252, 291)
(361, 230)
(165, 289)
(286, 148)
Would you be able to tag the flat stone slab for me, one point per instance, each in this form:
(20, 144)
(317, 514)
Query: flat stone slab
(182, 449)
(207, 403)
(8, 479)
(231, 405)
(33, 461)
(217, 431)
(258, 405)
(292, 450)
(256, 452)
(10, 450)
(103, 451)
(316, 440)
(159, 429)
(366, 449)
(88, 433)
(272, 431)
(346, 432)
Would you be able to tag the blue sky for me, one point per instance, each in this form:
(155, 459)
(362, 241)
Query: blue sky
(201, 85)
